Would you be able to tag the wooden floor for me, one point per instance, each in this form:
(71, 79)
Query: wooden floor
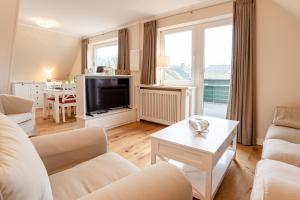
(133, 143)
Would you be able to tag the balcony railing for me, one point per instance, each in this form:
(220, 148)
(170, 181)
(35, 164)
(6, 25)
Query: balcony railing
(216, 90)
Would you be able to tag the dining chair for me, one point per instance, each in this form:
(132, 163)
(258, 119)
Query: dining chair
(66, 100)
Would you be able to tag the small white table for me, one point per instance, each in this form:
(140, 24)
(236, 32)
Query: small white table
(56, 93)
(204, 159)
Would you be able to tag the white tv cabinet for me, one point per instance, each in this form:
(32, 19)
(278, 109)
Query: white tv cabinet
(107, 120)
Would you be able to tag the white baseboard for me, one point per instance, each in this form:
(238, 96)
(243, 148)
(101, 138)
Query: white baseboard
(259, 141)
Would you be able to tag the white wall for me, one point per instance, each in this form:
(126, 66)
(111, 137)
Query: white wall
(37, 49)
(278, 62)
(8, 19)
(76, 68)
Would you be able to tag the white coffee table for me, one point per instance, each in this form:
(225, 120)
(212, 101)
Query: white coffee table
(204, 159)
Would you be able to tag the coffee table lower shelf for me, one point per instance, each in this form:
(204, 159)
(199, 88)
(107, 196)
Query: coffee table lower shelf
(197, 176)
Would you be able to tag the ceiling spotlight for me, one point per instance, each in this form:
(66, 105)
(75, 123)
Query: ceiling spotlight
(45, 23)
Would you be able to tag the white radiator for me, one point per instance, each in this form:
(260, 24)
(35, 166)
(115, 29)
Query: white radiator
(160, 106)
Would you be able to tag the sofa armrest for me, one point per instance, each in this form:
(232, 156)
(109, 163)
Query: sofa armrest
(16, 105)
(160, 182)
(63, 150)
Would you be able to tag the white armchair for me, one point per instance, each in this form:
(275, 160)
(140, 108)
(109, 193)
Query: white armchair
(19, 110)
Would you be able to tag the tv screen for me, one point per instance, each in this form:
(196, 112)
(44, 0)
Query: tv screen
(103, 94)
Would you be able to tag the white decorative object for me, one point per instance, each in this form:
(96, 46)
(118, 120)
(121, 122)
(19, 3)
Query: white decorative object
(89, 70)
(200, 125)
(204, 159)
(162, 63)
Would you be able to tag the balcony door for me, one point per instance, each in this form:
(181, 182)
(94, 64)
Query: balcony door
(200, 56)
(217, 69)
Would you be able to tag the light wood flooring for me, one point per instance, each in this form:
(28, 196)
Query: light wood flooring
(133, 143)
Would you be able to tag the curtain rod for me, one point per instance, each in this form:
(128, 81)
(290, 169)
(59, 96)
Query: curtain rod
(187, 10)
(165, 16)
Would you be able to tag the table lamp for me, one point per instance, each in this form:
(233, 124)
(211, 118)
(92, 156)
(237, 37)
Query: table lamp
(48, 74)
(162, 63)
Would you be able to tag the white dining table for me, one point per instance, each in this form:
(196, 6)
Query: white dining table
(56, 93)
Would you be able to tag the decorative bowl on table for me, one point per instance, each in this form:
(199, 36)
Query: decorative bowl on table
(199, 125)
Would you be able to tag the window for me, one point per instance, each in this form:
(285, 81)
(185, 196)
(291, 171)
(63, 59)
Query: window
(106, 54)
(177, 45)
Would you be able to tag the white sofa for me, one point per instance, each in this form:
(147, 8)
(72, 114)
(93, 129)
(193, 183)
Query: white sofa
(76, 165)
(20, 111)
(277, 175)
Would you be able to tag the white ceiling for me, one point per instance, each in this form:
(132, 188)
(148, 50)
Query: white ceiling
(291, 5)
(85, 17)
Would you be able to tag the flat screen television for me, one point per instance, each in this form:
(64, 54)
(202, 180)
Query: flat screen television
(105, 93)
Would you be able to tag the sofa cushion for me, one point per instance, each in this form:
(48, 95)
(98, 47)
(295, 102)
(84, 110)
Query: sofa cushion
(281, 150)
(20, 118)
(89, 176)
(276, 180)
(22, 173)
(284, 133)
(287, 116)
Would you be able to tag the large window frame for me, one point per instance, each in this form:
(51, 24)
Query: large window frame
(161, 51)
(198, 61)
(107, 43)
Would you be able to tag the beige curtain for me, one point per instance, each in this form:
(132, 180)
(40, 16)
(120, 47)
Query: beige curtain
(242, 96)
(149, 53)
(123, 49)
(84, 50)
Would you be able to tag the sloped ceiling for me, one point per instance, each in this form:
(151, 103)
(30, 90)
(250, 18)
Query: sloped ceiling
(37, 50)
(292, 6)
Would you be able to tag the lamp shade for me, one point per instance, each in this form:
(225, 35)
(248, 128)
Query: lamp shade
(163, 61)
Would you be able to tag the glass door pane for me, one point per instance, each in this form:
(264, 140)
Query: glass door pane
(217, 71)
(178, 47)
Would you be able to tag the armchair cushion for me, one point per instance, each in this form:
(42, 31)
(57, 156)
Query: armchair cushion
(162, 181)
(66, 149)
(20, 118)
(89, 176)
(287, 116)
(22, 173)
